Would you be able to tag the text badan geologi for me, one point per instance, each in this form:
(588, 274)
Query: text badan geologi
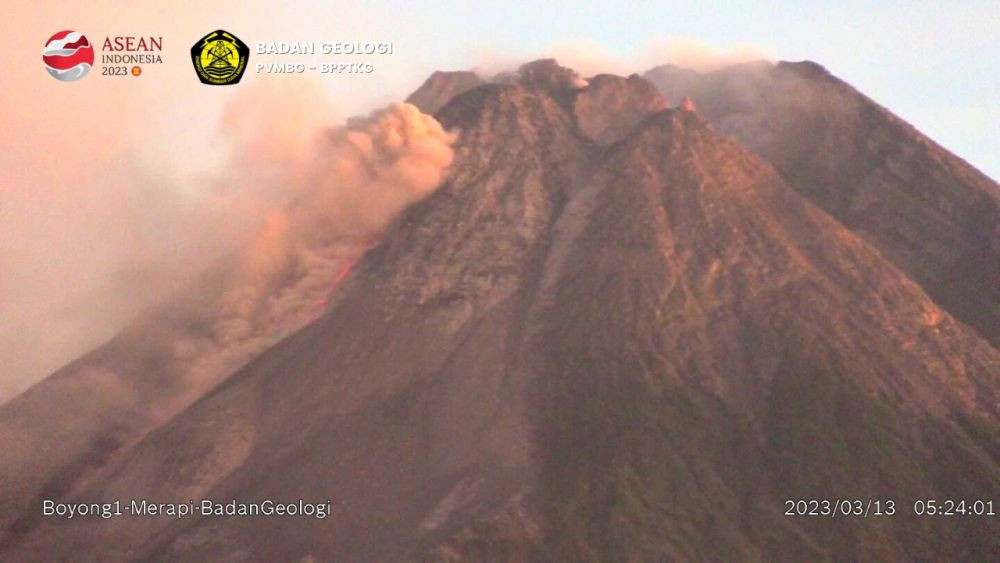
(203, 507)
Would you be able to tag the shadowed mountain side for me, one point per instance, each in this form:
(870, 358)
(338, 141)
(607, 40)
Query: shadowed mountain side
(61, 430)
(441, 87)
(74, 421)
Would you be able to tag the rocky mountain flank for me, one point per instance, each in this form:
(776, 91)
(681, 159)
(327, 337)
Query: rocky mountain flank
(927, 211)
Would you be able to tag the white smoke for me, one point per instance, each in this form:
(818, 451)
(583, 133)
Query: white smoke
(589, 58)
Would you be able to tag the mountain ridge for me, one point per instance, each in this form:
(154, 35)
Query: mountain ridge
(927, 210)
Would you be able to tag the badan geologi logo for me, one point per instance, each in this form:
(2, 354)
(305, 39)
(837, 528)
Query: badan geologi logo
(220, 58)
(68, 56)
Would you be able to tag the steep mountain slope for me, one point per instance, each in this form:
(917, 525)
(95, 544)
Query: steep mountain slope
(441, 87)
(927, 211)
(579, 351)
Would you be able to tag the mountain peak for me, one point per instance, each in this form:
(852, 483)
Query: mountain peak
(548, 75)
(807, 69)
(610, 106)
(605, 108)
(442, 86)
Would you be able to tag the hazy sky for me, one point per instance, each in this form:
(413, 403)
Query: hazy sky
(935, 64)
(98, 177)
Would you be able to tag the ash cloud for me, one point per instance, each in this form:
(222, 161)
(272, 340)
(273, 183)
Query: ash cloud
(362, 175)
(242, 255)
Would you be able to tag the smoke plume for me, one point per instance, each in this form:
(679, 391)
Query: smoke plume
(242, 254)
(362, 175)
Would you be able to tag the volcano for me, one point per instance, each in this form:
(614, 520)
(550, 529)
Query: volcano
(618, 331)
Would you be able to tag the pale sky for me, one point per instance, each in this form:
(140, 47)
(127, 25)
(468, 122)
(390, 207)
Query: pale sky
(935, 64)
(97, 175)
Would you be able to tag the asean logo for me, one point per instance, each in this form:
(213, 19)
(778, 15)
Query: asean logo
(68, 56)
(220, 58)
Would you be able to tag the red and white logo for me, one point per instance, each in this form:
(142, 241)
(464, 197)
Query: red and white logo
(68, 56)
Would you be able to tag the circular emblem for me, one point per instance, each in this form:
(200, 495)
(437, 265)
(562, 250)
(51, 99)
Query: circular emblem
(68, 56)
(220, 58)
(136, 71)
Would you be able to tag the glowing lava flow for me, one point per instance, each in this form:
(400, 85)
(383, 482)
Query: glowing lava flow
(343, 273)
(339, 278)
